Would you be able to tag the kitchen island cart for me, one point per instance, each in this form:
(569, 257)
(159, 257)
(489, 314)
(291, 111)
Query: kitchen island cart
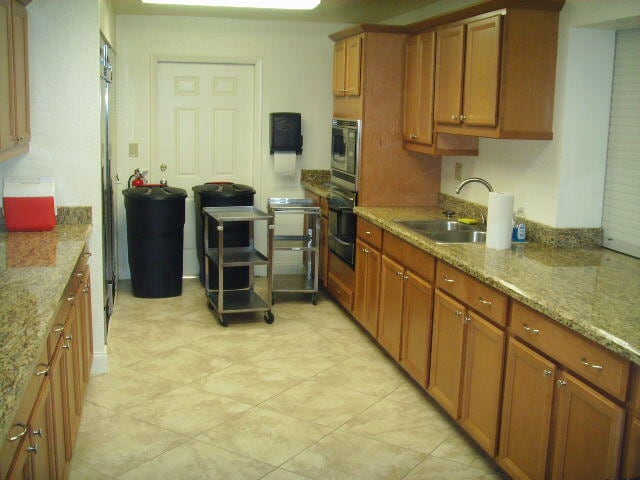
(306, 281)
(243, 300)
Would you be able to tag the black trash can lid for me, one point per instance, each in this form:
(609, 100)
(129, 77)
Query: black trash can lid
(223, 189)
(155, 193)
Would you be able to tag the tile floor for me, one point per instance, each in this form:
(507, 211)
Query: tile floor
(309, 397)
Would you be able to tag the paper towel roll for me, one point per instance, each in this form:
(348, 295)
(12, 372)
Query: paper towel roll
(284, 163)
(499, 220)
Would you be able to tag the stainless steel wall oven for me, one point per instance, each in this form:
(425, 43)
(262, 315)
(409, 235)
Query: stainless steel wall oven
(342, 224)
(345, 153)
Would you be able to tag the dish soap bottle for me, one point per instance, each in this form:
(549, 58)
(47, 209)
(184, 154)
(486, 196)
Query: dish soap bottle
(519, 227)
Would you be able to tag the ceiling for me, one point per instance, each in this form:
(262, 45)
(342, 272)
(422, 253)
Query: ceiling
(338, 11)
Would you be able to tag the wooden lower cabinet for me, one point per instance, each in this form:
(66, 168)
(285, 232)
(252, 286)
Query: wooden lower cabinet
(416, 327)
(632, 457)
(482, 381)
(390, 318)
(587, 436)
(42, 436)
(447, 346)
(365, 303)
(526, 413)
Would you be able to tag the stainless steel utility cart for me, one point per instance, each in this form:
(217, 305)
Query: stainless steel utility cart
(307, 242)
(244, 300)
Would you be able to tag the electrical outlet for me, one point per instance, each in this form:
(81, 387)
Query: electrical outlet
(458, 172)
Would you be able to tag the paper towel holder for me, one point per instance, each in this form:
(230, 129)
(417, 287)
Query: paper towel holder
(286, 132)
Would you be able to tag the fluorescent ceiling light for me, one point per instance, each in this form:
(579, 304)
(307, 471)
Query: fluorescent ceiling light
(283, 4)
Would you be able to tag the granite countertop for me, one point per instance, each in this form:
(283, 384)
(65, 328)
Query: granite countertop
(34, 270)
(319, 188)
(593, 291)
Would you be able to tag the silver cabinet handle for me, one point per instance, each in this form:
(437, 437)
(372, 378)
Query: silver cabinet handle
(69, 337)
(67, 346)
(21, 434)
(413, 136)
(365, 250)
(43, 373)
(533, 331)
(591, 365)
(463, 117)
(547, 373)
(71, 298)
(562, 383)
(467, 319)
(33, 448)
(405, 277)
(484, 302)
(448, 280)
(454, 117)
(368, 233)
(458, 313)
(38, 432)
(59, 328)
(399, 274)
(80, 274)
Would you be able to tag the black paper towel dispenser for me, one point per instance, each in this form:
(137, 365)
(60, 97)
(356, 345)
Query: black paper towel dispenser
(286, 132)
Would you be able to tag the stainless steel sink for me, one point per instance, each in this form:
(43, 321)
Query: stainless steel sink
(469, 236)
(446, 231)
(436, 225)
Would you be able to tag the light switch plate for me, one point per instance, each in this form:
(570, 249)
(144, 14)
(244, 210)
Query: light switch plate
(133, 149)
(458, 171)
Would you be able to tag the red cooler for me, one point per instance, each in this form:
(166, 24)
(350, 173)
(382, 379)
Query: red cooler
(29, 203)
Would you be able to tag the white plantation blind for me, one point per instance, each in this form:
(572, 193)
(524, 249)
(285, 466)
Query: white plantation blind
(621, 215)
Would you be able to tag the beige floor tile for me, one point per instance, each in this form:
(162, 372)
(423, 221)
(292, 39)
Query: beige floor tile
(247, 383)
(280, 474)
(342, 456)
(340, 341)
(319, 403)
(434, 468)
(233, 344)
(187, 410)
(408, 426)
(264, 435)
(364, 373)
(181, 365)
(122, 388)
(296, 359)
(80, 472)
(460, 450)
(116, 443)
(199, 461)
(409, 392)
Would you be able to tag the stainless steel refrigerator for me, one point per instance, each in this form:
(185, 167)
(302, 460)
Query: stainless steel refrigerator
(109, 181)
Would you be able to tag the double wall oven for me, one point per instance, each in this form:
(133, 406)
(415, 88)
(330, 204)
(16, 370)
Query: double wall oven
(345, 154)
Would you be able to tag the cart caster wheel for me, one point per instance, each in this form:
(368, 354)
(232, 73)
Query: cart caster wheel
(314, 299)
(223, 321)
(268, 317)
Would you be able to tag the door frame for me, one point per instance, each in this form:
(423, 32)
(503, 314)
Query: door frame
(256, 62)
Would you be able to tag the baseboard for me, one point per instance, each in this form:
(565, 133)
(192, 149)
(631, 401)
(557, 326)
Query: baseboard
(100, 363)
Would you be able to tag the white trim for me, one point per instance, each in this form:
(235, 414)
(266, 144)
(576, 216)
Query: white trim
(100, 363)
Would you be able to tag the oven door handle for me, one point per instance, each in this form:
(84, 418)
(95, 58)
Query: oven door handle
(342, 242)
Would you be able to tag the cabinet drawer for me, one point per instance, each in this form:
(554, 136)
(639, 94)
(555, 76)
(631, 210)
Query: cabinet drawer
(340, 291)
(593, 362)
(411, 257)
(482, 298)
(369, 233)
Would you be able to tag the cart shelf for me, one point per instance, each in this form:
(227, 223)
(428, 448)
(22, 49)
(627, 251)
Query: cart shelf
(238, 256)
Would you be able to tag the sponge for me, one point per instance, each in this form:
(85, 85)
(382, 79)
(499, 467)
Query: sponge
(468, 221)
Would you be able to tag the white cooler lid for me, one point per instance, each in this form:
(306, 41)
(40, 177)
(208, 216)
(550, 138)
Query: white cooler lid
(30, 187)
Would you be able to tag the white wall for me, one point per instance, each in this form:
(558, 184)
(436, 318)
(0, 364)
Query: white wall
(558, 182)
(65, 121)
(296, 64)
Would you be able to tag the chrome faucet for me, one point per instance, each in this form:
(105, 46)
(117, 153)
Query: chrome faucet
(474, 179)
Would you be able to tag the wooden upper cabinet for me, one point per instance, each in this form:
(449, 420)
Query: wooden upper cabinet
(6, 76)
(481, 73)
(495, 75)
(418, 93)
(346, 67)
(588, 432)
(21, 72)
(449, 70)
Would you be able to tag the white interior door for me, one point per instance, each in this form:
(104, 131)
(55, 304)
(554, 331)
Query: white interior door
(205, 132)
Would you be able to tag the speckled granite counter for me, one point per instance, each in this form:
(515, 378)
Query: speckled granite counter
(318, 188)
(34, 270)
(593, 291)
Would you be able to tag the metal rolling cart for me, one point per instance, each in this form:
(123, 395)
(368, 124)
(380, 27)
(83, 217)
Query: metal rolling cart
(244, 300)
(307, 243)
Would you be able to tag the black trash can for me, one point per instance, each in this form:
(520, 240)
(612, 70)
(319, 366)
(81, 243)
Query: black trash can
(236, 234)
(155, 236)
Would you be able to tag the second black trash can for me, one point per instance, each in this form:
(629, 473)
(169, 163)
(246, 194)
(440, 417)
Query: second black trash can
(222, 194)
(155, 236)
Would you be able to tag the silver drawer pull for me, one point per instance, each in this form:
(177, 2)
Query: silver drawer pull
(38, 432)
(533, 331)
(59, 328)
(448, 280)
(591, 365)
(562, 383)
(71, 298)
(368, 232)
(547, 373)
(33, 448)
(458, 313)
(21, 434)
(484, 302)
(43, 373)
(399, 274)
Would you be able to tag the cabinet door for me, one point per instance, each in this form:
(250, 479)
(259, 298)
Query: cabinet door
(588, 432)
(418, 101)
(360, 295)
(42, 436)
(57, 379)
(372, 285)
(446, 352)
(416, 327)
(70, 400)
(449, 67)
(632, 447)
(390, 317)
(6, 76)
(526, 413)
(21, 71)
(352, 66)
(86, 325)
(482, 381)
(339, 58)
(481, 72)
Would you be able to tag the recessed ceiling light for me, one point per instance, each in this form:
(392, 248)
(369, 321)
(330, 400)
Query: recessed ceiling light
(282, 4)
